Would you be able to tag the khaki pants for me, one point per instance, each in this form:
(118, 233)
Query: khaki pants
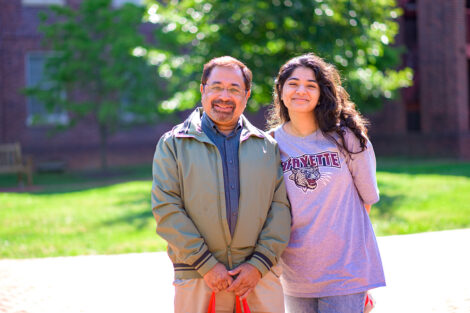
(193, 295)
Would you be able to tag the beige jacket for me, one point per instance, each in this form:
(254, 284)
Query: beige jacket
(188, 201)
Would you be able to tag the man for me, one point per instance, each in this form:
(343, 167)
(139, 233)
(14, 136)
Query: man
(219, 199)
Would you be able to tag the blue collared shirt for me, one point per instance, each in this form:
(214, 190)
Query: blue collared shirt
(228, 148)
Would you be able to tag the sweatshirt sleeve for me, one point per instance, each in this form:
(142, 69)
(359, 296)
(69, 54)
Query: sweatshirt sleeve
(173, 223)
(362, 166)
(275, 234)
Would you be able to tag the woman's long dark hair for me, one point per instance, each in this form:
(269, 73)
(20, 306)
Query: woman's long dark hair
(334, 110)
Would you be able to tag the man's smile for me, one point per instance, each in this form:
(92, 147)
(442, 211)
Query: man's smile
(223, 106)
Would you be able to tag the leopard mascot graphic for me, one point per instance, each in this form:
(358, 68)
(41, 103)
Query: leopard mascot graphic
(305, 177)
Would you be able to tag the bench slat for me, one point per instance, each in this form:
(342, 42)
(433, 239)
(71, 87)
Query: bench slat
(12, 162)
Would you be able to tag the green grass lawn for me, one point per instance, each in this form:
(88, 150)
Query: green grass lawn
(85, 213)
(421, 196)
(100, 220)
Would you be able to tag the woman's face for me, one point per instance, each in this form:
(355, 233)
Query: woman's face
(301, 91)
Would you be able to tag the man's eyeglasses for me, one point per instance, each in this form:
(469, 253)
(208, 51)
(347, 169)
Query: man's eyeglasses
(233, 91)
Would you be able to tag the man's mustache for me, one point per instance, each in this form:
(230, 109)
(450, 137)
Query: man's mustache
(218, 101)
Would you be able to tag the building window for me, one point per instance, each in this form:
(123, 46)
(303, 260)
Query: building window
(116, 3)
(42, 2)
(119, 3)
(37, 114)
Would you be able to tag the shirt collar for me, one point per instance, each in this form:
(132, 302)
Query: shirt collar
(191, 128)
(207, 122)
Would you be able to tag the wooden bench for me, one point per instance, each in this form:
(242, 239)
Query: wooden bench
(11, 161)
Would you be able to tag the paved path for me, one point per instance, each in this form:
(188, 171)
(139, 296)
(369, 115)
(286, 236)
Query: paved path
(427, 273)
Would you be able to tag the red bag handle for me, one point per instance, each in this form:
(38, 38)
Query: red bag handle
(246, 309)
(238, 308)
(211, 308)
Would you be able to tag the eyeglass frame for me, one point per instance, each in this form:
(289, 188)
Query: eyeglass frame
(225, 88)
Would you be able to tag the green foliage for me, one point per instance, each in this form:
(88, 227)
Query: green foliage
(97, 66)
(355, 35)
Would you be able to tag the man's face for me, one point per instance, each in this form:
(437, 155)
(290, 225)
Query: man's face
(224, 96)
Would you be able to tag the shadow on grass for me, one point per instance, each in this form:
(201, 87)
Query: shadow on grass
(139, 220)
(55, 183)
(58, 183)
(386, 207)
(417, 166)
(388, 204)
(79, 187)
(71, 187)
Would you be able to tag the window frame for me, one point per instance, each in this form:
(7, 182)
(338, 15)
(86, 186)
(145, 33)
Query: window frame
(42, 2)
(41, 119)
(120, 3)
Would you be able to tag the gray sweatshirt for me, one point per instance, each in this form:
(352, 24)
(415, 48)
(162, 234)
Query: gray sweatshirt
(332, 248)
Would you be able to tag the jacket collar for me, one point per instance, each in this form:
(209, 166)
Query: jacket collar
(191, 127)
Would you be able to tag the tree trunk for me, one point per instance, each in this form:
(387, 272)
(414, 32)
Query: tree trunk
(104, 147)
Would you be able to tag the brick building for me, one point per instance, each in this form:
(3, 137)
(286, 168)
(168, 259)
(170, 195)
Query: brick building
(432, 118)
(22, 60)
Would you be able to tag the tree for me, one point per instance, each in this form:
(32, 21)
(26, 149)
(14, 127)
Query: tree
(97, 64)
(355, 35)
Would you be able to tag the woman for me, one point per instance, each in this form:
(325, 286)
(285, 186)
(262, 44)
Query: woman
(329, 168)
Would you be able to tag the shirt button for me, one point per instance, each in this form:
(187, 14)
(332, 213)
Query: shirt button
(233, 186)
(231, 161)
